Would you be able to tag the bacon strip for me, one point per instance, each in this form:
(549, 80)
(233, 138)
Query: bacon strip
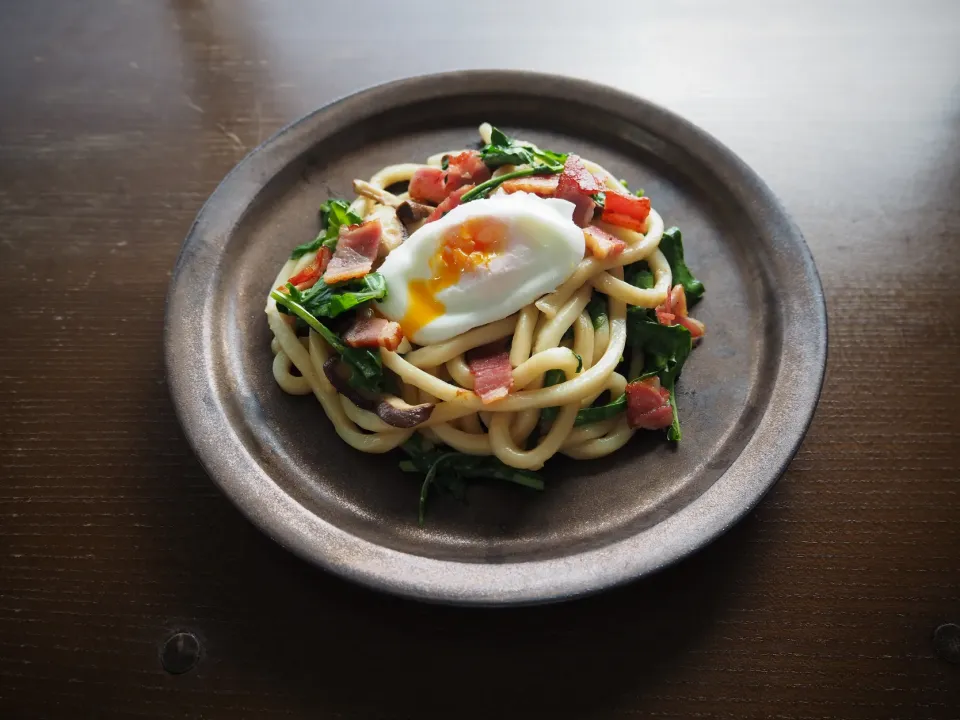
(435, 185)
(542, 185)
(603, 244)
(577, 185)
(626, 211)
(648, 405)
(449, 204)
(464, 168)
(624, 221)
(308, 277)
(427, 185)
(356, 250)
(392, 231)
(492, 372)
(673, 311)
(373, 332)
(697, 329)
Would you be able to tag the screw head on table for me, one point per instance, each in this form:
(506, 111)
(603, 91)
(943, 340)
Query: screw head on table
(180, 653)
(946, 641)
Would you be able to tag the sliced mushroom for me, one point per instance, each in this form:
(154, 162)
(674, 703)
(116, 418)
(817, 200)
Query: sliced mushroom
(336, 374)
(389, 408)
(411, 212)
(394, 411)
(376, 194)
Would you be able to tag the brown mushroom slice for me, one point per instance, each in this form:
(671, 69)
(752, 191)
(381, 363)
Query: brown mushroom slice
(394, 411)
(336, 373)
(389, 408)
(378, 195)
(411, 212)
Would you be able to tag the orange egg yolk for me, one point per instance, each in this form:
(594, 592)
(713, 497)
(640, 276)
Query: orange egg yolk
(463, 249)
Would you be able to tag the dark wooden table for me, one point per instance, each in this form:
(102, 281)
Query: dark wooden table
(118, 118)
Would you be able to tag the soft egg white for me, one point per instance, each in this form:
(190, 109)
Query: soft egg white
(437, 288)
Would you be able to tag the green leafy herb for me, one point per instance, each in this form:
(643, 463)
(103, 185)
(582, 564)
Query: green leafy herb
(499, 138)
(665, 349)
(495, 156)
(555, 377)
(597, 308)
(601, 412)
(445, 162)
(600, 199)
(504, 150)
(671, 245)
(639, 193)
(333, 214)
(324, 300)
(366, 368)
(638, 274)
(451, 470)
(644, 279)
(552, 377)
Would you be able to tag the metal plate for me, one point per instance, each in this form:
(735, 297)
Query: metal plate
(746, 397)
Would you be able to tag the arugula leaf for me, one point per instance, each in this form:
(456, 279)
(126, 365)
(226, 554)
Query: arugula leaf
(310, 247)
(665, 349)
(494, 156)
(671, 245)
(324, 300)
(366, 368)
(663, 346)
(597, 308)
(552, 377)
(601, 412)
(555, 377)
(638, 274)
(333, 214)
(549, 157)
(504, 150)
(450, 470)
(498, 137)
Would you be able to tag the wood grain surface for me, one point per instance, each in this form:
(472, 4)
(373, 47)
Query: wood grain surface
(117, 120)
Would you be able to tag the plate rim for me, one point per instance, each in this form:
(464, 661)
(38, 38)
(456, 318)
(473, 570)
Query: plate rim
(248, 485)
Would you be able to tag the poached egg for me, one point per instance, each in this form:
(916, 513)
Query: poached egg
(481, 262)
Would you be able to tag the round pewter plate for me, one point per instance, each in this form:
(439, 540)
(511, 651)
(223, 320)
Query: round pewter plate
(746, 396)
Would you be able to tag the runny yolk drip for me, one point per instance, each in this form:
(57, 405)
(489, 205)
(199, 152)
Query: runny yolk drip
(464, 248)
